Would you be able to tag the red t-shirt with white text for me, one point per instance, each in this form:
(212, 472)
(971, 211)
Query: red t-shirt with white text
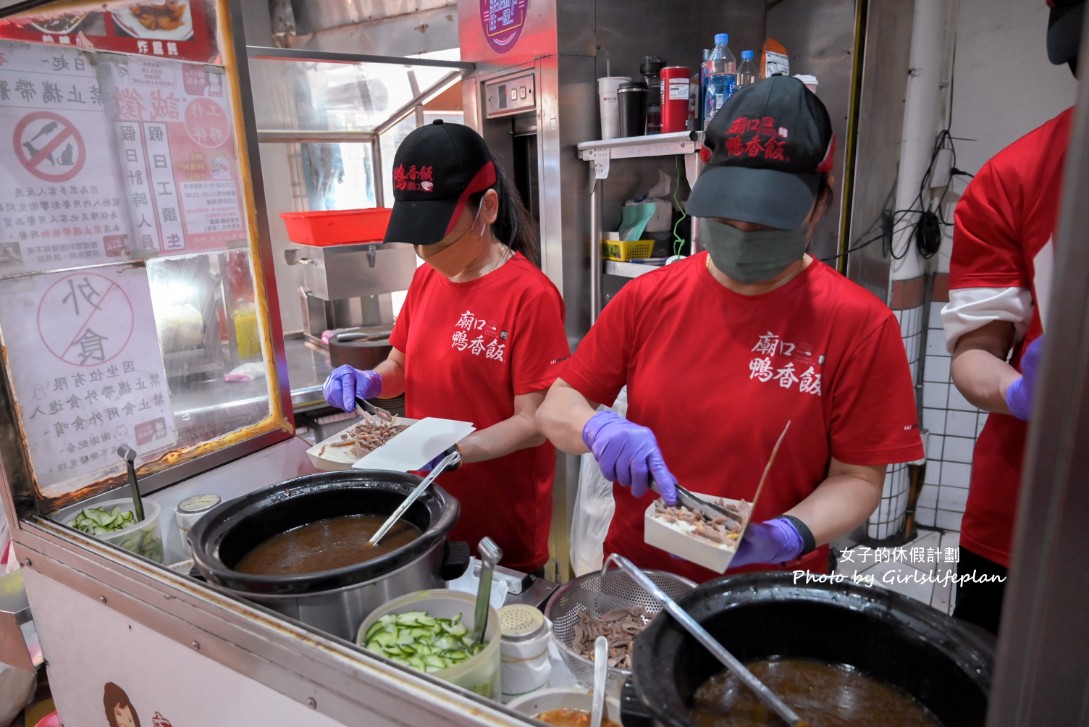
(716, 375)
(470, 348)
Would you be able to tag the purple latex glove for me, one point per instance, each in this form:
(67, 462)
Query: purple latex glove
(772, 541)
(346, 383)
(628, 453)
(1019, 395)
(439, 458)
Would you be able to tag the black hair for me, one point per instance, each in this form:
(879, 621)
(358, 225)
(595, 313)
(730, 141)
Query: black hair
(513, 224)
(825, 193)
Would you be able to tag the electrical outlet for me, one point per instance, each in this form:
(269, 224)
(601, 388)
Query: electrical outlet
(941, 169)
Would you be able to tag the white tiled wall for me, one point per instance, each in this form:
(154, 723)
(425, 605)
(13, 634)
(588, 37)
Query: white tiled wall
(950, 425)
(889, 516)
(953, 425)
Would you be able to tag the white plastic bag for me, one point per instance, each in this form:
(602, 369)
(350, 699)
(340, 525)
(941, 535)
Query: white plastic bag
(594, 508)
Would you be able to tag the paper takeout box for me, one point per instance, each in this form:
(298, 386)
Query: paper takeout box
(409, 450)
(680, 540)
(326, 457)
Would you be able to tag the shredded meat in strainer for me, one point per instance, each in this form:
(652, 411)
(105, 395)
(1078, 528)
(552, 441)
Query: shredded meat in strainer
(620, 626)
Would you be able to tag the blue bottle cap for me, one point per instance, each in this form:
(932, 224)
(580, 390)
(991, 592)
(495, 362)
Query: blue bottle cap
(746, 55)
(722, 38)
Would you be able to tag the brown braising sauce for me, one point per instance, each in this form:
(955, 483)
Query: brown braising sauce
(325, 545)
(571, 718)
(823, 694)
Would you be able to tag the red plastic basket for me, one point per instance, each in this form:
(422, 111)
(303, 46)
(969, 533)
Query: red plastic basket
(337, 227)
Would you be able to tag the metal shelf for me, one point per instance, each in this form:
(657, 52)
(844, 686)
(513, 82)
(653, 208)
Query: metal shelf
(626, 270)
(600, 154)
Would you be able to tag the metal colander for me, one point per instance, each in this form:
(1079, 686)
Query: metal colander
(597, 595)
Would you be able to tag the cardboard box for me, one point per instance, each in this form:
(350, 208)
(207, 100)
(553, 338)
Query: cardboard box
(680, 540)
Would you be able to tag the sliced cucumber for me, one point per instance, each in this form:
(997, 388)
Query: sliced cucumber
(421, 641)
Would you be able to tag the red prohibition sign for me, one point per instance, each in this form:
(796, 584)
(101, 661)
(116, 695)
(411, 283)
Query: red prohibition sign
(55, 145)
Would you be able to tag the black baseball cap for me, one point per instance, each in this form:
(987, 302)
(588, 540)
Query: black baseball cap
(435, 171)
(770, 143)
(1064, 30)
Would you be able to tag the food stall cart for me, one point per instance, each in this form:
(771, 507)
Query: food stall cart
(139, 311)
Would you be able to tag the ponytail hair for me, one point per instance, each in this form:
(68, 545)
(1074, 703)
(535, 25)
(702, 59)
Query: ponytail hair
(513, 224)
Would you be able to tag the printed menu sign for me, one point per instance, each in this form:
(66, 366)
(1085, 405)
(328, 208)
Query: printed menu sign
(176, 29)
(87, 371)
(61, 199)
(175, 140)
(110, 157)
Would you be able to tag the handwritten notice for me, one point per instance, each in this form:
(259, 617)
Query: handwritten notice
(61, 197)
(87, 371)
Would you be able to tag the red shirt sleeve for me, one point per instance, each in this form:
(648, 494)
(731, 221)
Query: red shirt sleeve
(540, 348)
(599, 367)
(987, 248)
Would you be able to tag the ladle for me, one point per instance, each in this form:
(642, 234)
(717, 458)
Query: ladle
(129, 455)
(412, 496)
(765, 695)
(490, 554)
(601, 668)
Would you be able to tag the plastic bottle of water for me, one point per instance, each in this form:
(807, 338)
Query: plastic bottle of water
(699, 84)
(721, 77)
(746, 72)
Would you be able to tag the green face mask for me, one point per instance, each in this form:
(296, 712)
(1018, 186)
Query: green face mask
(751, 257)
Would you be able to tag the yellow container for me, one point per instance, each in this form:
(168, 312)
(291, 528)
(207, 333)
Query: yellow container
(622, 250)
(246, 333)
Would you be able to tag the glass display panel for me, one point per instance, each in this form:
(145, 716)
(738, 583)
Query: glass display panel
(320, 96)
(131, 305)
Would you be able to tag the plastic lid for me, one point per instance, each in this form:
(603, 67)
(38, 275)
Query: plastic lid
(632, 86)
(520, 621)
(722, 38)
(198, 503)
(651, 65)
(746, 55)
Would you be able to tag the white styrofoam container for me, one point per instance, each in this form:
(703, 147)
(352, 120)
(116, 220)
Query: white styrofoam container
(680, 540)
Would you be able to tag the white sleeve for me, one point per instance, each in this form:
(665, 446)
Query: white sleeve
(971, 308)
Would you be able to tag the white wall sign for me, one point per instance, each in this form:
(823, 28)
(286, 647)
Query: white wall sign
(87, 371)
(61, 199)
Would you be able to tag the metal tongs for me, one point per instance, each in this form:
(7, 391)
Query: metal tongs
(711, 510)
(708, 509)
(364, 407)
(413, 496)
(765, 695)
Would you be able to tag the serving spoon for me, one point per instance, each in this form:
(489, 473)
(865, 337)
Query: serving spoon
(601, 666)
(770, 699)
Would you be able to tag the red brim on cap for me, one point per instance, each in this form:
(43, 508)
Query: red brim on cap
(768, 197)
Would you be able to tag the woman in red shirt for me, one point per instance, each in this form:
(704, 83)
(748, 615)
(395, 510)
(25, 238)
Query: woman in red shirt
(480, 337)
(719, 350)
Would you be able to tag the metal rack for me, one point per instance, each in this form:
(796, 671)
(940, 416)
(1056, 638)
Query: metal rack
(600, 155)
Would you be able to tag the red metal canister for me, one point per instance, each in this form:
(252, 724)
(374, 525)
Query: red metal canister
(675, 85)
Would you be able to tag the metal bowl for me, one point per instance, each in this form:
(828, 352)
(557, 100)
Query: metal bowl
(596, 596)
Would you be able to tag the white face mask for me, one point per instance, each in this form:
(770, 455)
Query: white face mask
(458, 254)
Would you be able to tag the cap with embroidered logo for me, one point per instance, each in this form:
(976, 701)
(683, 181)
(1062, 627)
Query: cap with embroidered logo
(435, 171)
(769, 145)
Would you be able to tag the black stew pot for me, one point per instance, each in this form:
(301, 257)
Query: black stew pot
(944, 664)
(335, 601)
